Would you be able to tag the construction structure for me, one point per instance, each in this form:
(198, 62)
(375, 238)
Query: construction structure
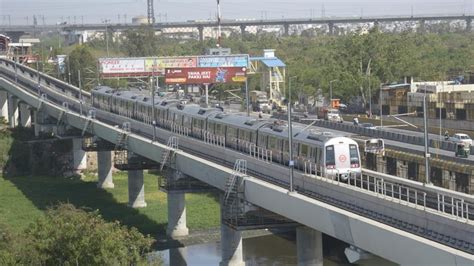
(273, 72)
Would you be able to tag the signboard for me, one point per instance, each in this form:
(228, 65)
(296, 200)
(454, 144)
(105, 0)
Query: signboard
(202, 75)
(223, 61)
(61, 63)
(122, 67)
(160, 64)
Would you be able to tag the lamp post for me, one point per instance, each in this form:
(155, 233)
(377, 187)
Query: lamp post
(106, 21)
(380, 106)
(247, 88)
(330, 89)
(291, 163)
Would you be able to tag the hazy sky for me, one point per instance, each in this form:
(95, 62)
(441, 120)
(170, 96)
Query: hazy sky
(22, 11)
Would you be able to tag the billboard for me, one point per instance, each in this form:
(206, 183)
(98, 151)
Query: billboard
(61, 63)
(122, 67)
(160, 64)
(202, 75)
(223, 61)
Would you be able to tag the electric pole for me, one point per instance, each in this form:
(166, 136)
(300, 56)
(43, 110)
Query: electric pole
(151, 13)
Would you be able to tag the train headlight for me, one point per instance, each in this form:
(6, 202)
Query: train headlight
(354, 165)
(330, 166)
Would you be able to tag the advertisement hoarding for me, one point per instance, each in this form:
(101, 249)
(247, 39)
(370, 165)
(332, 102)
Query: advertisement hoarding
(202, 75)
(223, 61)
(122, 66)
(61, 63)
(160, 64)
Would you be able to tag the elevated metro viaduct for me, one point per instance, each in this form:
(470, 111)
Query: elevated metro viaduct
(402, 230)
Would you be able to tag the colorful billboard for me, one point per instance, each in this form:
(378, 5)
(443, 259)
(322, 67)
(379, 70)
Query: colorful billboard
(202, 75)
(223, 61)
(122, 67)
(160, 64)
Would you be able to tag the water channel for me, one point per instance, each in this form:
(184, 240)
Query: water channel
(261, 250)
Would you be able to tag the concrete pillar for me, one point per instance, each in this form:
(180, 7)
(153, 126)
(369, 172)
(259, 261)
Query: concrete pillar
(331, 28)
(421, 27)
(231, 247)
(4, 105)
(468, 25)
(309, 246)
(381, 164)
(176, 215)
(201, 33)
(79, 155)
(286, 26)
(242, 30)
(36, 124)
(13, 111)
(25, 115)
(104, 169)
(136, 189)
(402, 169)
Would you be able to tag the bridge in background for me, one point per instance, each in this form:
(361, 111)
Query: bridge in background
(200, 26)
(404, 221)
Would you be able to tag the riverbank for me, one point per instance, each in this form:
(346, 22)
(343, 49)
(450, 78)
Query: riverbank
(23, 199)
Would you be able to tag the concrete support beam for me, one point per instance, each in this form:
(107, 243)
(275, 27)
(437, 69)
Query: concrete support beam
(79, 155)
(104, 169)
(13, 112)
(176, 215)
(309, 246)
(136, 189)
(4, 105)
(25, 115)
(231, 247)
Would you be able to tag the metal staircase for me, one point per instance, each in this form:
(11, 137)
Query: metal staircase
(169, 153)
(238, 213)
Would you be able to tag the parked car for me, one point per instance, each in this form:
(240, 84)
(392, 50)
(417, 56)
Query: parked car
(368, 125)
(461, 138)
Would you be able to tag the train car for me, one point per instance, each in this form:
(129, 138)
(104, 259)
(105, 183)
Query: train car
(323, 153)
(192, 117)
(239, 131)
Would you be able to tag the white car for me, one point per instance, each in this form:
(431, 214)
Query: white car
(461, 138)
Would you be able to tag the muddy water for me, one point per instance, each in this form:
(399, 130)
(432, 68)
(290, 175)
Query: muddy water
(263, 250)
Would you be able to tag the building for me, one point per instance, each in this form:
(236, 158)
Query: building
(452, 100)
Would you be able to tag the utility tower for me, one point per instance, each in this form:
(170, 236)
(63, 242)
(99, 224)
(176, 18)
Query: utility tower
(151, 12)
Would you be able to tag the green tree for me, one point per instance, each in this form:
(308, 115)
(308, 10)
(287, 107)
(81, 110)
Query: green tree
(81, 59)
(70, 236)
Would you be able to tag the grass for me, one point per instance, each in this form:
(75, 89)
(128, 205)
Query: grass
(23, 199)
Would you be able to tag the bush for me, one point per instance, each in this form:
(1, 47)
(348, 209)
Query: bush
(70, 236)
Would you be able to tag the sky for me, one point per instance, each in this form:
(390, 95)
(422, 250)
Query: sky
(94, 11)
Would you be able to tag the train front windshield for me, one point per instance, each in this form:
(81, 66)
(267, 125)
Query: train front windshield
(353, 152)
(330, 157)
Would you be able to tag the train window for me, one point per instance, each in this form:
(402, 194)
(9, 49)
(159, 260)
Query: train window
(354, 154)
(304, 150)
(330, 157)
(220, 131)
(186, 121)
(274, 143)
(231, 132)
(244, 135)
(262, 141)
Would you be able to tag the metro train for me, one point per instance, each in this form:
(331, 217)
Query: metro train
(329, 155)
